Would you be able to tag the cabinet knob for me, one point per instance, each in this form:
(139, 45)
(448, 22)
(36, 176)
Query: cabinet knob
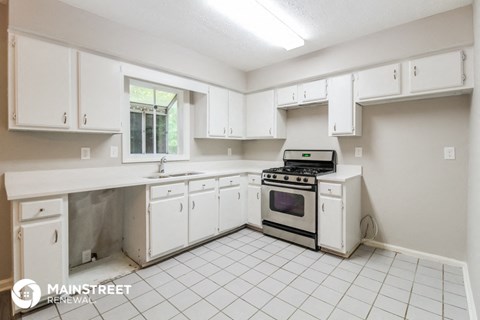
(42, 209)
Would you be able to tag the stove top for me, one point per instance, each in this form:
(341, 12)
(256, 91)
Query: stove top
(304, 171)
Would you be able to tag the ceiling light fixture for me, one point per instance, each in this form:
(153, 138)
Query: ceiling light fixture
(258, 20)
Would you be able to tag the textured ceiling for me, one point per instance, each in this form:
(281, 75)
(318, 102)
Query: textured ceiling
(322, 23)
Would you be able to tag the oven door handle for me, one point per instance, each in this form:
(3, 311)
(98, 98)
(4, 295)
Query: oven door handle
(287, 185)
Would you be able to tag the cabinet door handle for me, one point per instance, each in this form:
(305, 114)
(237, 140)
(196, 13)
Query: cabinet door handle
(64, 118)
(85, 119)
(224, 130)
(395, 74)
(334, 127)
(258, 195)
(270, 131)
(181, 207)
(193, 205)
(323, 207)
(56, 236)
(415, 71)
(238, 195)
(293, 96)
(231, 130)
(305, 94)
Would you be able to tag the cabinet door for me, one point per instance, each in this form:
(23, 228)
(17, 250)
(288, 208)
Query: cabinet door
(168, 225)
(203, 216)
(441, 71)
(340, 105)
(236, 110)
(230, 208)
(331, 223)
(312, 91)
(287, 96)
(254, 206)
(43, 84)
(100, 93)
(379, 82)
(260, 114)
(217, 112)
(42, 253)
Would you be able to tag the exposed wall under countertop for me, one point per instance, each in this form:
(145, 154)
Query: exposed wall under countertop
(418, 198)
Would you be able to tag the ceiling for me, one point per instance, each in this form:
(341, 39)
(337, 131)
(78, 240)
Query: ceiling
(322, 23)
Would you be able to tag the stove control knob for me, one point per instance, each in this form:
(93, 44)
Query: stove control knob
(285, 177)
(305, 179)
(269, 176)
(299, 179)
(274, 176)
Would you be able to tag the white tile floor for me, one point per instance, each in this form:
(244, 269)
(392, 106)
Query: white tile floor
(247, 275)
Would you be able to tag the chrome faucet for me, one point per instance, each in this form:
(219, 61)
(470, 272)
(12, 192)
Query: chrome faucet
(162, 164)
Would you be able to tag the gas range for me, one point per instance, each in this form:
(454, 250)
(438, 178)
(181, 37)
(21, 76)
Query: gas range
(289, 195)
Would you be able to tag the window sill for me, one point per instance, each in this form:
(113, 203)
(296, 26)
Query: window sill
(156, 158)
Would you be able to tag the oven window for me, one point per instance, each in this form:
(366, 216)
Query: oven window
(288, 203)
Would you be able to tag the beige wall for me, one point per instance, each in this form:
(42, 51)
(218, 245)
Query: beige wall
(446, 30)
(418, 199)
(21, 151)
(473, 235)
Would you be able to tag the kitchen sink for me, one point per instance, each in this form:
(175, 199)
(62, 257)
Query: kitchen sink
(173, 175)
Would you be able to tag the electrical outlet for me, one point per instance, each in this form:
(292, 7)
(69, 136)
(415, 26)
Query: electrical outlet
(85, 153)
(113, 152)
(86, 256)
(358, 152)
(449, 153)
(229, 152)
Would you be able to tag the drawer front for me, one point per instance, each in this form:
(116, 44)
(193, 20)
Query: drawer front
(255, 179)
(168, 190)
(331, 189)
(40, 208)
(229, 181)
(199, 185)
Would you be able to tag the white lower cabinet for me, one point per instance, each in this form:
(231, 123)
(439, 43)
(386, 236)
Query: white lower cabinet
(40, 241)
(203, 210)
(230, 203)
(254, 213)
(168, 223)
(339, 216)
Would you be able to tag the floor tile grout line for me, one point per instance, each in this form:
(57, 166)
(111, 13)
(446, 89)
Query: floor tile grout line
(411, 289)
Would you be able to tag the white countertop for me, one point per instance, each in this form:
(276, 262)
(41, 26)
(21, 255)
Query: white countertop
(33, 184)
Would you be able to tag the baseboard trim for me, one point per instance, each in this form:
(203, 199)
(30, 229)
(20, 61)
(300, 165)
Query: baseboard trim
(6, 284)
(429, 256)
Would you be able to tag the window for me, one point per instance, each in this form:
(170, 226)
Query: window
(156, 115)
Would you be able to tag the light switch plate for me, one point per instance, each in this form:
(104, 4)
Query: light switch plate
(449, 153)
(85, 153)
(113, 152)
(358, 152)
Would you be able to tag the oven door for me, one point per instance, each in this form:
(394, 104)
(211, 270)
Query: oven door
(289, 205)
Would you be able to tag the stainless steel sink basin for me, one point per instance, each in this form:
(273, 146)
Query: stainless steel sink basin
(174, 175)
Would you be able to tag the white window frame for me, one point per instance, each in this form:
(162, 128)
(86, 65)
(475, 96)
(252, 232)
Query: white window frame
(183, 105)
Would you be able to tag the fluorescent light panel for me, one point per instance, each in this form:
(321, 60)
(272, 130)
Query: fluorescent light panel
(258, 20)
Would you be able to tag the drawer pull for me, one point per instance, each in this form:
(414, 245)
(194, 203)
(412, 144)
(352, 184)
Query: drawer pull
(169, 191)
(258, 196)
(56, 236)
(193, 205)
(239, 196)
(181, 207)
(330, 190)
(323, 207)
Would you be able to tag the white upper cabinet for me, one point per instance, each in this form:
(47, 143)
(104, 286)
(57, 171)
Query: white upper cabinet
(379, 82)
(437, 72)
(264, 120)
(287, 96)
(100, 83)
(220, 114)
(41, 93)
(314, 91)
(344, 116)
(217, 112)
(236, 118)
